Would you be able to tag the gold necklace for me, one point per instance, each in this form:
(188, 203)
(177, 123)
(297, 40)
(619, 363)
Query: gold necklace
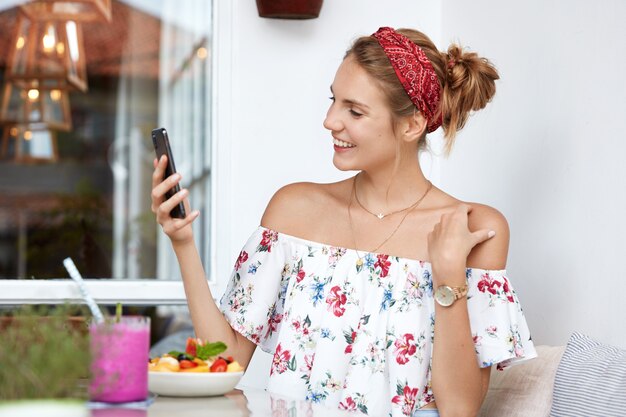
(381, 216)
(409, 210)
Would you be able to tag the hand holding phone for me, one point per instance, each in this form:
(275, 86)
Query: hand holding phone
(161, 143)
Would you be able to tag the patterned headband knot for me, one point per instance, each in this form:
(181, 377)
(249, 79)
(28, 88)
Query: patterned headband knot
(415, 72)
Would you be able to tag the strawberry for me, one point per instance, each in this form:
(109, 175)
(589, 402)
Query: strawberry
(219, 365)
(190, 348)
(185, 364)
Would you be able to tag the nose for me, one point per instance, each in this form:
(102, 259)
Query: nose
(332, 122)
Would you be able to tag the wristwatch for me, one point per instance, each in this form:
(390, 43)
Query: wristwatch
(446, 296)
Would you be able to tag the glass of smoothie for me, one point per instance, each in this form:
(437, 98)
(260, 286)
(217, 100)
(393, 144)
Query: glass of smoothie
(119, 365)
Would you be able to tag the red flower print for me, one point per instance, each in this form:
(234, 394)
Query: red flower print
(273, 322)
(243, 256)
(507, 292)
(280, 360)
(406, 399)
(488, 284)
(348, 404)
(300, 276)
(383, 264)
(269, 237)
(336, 300)
(404, 348)
(350, 338)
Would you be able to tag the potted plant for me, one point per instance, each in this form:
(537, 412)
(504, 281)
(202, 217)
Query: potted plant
(44, 362)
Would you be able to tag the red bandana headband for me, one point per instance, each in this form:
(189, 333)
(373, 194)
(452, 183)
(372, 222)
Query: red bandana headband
(414, 71)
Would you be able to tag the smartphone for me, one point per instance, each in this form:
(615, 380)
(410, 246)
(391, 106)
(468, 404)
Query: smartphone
(161, 143)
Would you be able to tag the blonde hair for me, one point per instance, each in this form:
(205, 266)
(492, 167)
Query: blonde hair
(467, 80)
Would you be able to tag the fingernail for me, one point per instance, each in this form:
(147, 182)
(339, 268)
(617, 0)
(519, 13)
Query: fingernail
(491, 233)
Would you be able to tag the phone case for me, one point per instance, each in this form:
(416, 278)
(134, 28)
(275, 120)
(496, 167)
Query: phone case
(161, 143)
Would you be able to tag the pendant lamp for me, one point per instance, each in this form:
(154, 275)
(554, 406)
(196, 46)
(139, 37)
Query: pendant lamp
(29, 144)
(76, 10)
(47, 54)
(38, 107)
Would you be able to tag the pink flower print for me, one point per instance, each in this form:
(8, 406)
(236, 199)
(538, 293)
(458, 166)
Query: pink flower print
(348, 404)
(280, 360)
(492, 331)
(336, 301)
(256, 335)
(404, 348)
(406, 399)
(269, 237)
(383, 263)
(413, 286)
(308, 365)
(300, 276)
(488, 284)
(243, 256)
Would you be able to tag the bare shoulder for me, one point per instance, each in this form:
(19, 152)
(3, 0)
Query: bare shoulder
(492, 253)
(295, 207)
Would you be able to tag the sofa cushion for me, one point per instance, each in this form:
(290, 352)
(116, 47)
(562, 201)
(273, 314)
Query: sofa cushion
(590, 380)
(523, 390)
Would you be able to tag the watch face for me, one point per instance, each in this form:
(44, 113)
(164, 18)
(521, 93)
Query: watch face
(444, 295)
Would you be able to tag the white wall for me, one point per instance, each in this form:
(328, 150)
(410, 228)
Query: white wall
(549, 153)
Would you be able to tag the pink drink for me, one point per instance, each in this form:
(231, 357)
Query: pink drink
(119, 366)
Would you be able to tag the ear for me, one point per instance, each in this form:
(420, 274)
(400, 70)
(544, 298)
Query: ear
(414, 127)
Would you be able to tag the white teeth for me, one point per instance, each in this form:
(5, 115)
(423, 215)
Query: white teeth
(343, 144)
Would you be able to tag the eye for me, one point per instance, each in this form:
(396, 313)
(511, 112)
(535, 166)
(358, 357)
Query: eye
(355, 113)
(332, 98)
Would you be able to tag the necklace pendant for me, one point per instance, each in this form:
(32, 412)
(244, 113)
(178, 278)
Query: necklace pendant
(380, 216)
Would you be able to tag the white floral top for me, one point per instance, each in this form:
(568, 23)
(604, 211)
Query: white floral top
(355, 330)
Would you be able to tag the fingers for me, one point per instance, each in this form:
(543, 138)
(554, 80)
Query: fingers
(159, 170)
(164, 209)
(482, 235)
(159, 190)
(177, 224)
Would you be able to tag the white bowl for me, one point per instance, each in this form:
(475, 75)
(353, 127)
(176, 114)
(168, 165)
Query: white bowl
(190, 384)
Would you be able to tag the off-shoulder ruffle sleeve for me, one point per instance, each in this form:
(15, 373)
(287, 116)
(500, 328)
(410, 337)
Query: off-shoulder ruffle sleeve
(501, 335)
(254, 300)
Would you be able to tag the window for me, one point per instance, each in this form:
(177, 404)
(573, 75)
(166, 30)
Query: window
(76, 182)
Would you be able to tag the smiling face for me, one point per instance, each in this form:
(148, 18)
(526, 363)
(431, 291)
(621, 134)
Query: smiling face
(360, 121)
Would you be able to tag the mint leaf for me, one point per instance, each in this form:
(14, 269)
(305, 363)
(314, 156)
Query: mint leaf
(209, 350)
(175, 353)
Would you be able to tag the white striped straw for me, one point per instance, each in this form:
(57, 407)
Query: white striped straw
(95, 310)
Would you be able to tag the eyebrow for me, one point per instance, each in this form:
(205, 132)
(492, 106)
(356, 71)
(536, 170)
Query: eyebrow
(351, 101)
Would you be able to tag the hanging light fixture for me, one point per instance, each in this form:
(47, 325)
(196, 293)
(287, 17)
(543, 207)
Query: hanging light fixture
(75, 10)
(47, 54)
(41, 108)
(29, 143)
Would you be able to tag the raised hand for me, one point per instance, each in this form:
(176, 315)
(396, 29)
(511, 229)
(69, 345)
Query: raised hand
(178, 230)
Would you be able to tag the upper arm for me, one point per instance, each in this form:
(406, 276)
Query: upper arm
(492, 253)
(289, 205)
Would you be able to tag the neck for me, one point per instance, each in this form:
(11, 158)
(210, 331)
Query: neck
(385, 191)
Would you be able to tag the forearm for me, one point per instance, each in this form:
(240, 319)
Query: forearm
(208, 321)
(456, 376)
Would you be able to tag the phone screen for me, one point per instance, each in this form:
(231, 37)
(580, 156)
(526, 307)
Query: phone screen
(161, 143)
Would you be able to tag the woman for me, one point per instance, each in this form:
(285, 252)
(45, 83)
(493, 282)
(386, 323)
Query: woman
(379, 293)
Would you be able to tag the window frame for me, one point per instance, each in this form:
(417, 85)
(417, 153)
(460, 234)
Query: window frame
(153, 291)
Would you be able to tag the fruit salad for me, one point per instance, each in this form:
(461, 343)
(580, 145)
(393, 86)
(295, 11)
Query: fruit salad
(197, 357)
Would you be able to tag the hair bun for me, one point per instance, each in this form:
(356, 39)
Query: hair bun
(469, 85)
